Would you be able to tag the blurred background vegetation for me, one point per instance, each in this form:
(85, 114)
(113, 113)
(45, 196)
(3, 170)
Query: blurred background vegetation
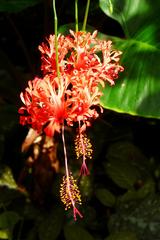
(120, 197)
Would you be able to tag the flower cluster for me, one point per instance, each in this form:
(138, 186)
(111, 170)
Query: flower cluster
(72, 96)
(85, 62)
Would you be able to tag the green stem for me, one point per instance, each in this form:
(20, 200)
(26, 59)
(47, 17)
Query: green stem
(76, 14)
(86, 16)
(56, 40)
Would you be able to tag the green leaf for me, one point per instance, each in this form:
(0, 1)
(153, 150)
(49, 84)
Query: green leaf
(127, 12)
(137, 92)
(74, 232)
(8, 219)
(105, 197)
(4, 234)
(6, 178)
(126, 164)
(51, 224)
(123, 175)
(16, 5)
(132, 194)
(126, 235)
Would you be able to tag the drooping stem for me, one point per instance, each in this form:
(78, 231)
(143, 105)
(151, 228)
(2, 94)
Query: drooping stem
(76, 15)
(84, 170)
(86, 16)
(82, 143)
(56, 38)
(69, 190)
(65, 153)
(66, 169)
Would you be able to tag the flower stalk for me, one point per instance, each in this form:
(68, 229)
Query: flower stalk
(56, 36)
(69, 192)
(86, 16)
(76, 15)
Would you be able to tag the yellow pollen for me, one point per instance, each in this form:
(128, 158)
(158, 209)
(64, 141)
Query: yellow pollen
(83, 146)
(69, 192)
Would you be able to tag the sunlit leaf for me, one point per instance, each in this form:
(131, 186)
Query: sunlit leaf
(137, 92)
(75, 232)
(105, 197)
(6, 178)
(126, 12)
(4, 234)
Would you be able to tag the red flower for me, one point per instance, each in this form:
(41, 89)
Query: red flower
(45, 103)
(48, 54)
(76, 94)
(85, 62)
(83, 52)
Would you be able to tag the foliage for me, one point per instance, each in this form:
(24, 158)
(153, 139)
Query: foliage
(16, 5)
(136, 217)
(138, 91)
(121, 195)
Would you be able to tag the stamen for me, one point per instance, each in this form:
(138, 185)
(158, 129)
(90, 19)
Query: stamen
(70, 194)
(83, 146)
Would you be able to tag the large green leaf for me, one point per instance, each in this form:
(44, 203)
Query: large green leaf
(127, 12)
(137, 92)
(16, 5)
